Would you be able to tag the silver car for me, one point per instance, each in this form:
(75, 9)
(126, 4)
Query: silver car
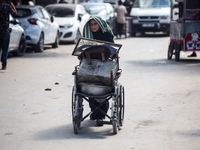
(39, 26)
(17, 45)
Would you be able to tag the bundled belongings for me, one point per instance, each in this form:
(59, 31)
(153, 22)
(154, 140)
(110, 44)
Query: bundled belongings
(95, 70)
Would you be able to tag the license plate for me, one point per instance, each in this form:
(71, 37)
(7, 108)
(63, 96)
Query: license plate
(147, 25)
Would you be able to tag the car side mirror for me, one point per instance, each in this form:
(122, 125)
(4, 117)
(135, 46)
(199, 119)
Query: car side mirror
(52, 18)
(80, 17)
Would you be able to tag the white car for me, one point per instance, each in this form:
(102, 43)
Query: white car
(17, 45)
(151, 16)
(71, 19)
(39, 26)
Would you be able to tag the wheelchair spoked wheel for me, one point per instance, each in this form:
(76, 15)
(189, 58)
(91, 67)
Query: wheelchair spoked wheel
(121, 106)
(77, 111)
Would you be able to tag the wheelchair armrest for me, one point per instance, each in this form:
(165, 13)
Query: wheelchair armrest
(118, 73)
(75, 71)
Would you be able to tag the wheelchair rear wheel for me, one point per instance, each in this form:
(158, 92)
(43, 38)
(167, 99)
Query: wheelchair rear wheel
(121, 106)
(115, 114)
(77, 111)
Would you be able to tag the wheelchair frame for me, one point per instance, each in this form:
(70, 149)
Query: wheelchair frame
(116, 96)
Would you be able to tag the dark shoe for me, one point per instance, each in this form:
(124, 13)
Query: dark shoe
(99, 122)
(193, 55)
(4, 68)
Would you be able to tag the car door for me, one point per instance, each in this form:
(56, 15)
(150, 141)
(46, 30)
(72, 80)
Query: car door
(15, 34)
(111, 15)
(85, 17)
(51, 30)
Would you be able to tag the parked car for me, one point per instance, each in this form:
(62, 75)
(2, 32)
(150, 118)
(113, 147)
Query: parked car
(71, 19)
(104, 10)
(17, 45)
(39, 26)
(151, 16)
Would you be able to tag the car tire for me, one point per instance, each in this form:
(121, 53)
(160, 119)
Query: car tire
(56, 44)
(78, 35)
(22, 47)
(39, 47)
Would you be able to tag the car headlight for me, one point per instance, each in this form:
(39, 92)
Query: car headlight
(69, 25)
(164, 17)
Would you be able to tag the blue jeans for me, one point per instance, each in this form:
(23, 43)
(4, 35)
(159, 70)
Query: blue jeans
(4, 44)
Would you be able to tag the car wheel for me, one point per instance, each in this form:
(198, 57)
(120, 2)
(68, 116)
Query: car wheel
(39, 47)
(78, 35)
(56, 44)
(22, 47)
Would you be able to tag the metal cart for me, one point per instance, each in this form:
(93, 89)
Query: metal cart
(184, 27)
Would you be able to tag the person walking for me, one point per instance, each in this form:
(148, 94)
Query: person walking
(6, 8)
(121, 20)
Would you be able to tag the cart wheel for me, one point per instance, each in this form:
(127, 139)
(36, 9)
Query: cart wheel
(115, 126)
(77, 111)
(115, 113)
(170, 51)
(121, 106)
(177, 53)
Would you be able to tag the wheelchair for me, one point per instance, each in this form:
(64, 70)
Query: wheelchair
(96, 77)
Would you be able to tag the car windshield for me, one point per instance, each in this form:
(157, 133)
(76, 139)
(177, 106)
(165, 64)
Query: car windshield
(95, 9)
(61, 11)
(151, 3)
(23, 13)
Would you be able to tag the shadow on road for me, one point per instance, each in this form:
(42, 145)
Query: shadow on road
(88, 130)
(192, 133)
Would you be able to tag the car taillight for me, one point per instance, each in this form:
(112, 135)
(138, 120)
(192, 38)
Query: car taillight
(33, 21)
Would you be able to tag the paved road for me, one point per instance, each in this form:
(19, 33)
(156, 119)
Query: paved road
(162, 101)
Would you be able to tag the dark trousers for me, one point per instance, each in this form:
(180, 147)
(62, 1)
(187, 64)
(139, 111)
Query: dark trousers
(98, 114)
(4, 44)
(120, 28)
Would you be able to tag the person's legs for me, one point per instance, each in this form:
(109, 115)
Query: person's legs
(97, 114)
(120, 29)
(5, 45)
